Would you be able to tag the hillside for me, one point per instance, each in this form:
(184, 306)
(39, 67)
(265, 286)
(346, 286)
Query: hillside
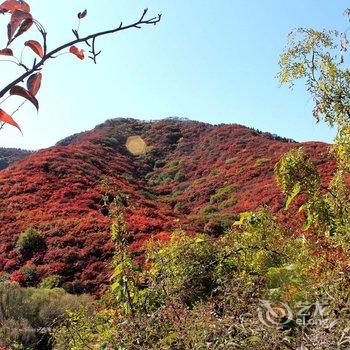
(184, 175)
(11, 155)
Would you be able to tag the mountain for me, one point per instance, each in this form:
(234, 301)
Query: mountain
(11, 155)
(164, 175)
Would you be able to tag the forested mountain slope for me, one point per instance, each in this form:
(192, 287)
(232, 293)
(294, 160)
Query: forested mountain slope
(164, 175)
(11, 155)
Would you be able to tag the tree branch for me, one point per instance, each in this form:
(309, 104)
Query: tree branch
(37, 66)
(93, 52)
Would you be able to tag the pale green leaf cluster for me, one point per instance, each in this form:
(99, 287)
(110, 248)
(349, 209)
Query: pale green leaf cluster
(317, 57)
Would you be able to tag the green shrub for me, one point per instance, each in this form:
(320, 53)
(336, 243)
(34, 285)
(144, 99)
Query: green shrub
(50, 282)
(4, 277)
(30, 274)
(179, 177)
(229, 202)
(29, 242)
(231, 160)
(199, 181)
(222, 193)
(164, 177)
(159, 163)
(240, 171)
(209, 209)
(176, 193)
(181, 207)
(30, 315)
(260, 162)
(215, 172)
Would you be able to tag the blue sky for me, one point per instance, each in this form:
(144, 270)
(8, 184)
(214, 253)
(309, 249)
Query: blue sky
(213, 61)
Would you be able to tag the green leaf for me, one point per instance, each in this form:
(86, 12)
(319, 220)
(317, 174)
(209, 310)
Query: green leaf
(290, 267)
(295, 192)
(254, 339)
(309, 221)
(243, 217)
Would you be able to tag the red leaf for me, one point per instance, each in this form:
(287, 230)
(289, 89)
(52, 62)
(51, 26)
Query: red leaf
(26, 24)
(19, 19)
(6, 52)
(75, 51)
(13, 5)
(83, 14)
(6, 118)
(34, 83)
(21, 91)
(36, 47)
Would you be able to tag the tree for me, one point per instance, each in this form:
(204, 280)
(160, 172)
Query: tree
(319, 58)
(21, 21)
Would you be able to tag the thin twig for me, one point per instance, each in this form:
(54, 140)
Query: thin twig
(18, 108)
(93, 51)
(16, 63)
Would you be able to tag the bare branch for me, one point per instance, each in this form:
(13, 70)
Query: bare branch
(18, 108)
(93, 52)
(17, 63)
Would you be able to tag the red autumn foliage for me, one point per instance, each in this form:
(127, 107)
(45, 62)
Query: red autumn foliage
(82, 15)
(6, 52)
(194, 177)
(18, 277)
(36, 47)
(20, 22)
(13, 5)
(6, 118)
(21, 91)
(77, 52)
(34, 83)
